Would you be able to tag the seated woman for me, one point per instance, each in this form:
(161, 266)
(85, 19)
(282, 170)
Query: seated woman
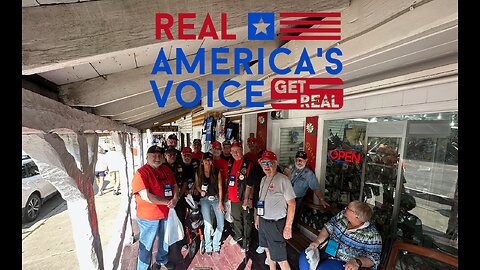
(354, 241)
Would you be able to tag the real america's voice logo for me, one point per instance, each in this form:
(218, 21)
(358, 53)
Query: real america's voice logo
(304, 91)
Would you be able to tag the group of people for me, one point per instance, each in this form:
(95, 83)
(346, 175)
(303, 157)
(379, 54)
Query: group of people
(259, 194)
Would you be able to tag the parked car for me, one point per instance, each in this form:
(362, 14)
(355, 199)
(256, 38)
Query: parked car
(35, 190)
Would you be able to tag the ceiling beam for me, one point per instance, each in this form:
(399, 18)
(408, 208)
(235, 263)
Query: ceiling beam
(163, 118)
(45, 114)
(58, 33)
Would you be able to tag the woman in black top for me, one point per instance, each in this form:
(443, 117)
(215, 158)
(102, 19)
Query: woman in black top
(208, 181)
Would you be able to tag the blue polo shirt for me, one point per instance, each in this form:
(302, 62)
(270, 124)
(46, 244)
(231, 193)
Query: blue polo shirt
(302, 180)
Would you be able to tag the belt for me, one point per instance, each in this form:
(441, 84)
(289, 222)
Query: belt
(210, 198)
(273, 220)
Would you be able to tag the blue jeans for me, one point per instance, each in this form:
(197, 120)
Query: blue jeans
(148, 230)
(328, 264)
(205, 205)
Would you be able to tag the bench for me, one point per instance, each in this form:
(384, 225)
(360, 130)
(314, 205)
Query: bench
(313, 217)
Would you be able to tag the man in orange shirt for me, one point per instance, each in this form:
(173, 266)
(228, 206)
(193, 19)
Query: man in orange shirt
(155, 192)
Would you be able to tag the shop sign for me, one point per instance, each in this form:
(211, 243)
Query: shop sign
(344, 156)
(304, 90)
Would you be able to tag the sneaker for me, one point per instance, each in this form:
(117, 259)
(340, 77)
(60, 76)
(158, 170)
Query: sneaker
(233, 241)
(260, 250)
(245, 246)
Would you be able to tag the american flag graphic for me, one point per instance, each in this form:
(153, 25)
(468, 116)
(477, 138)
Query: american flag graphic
(317, 26)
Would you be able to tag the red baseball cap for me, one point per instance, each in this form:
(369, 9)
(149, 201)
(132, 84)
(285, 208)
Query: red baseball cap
(186, 150)
(216, 144)
(252, 139)
(237, 144)
(269, 155)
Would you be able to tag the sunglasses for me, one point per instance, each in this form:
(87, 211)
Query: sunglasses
(267, 163)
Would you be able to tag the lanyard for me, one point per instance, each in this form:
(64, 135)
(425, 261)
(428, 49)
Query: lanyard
(267, 187)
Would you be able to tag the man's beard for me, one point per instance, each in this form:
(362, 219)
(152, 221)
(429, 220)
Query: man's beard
(153, 165)
(299, 168)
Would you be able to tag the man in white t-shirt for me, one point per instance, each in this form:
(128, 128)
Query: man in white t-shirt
(115, 164)
(101, 169)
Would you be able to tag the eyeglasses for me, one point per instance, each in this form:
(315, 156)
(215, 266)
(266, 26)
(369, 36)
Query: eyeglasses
(348, 209)
(267, 163)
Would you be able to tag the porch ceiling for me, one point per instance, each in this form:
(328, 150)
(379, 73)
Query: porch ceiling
(98, 55)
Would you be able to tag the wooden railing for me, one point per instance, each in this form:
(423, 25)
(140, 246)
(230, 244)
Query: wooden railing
(402, 254)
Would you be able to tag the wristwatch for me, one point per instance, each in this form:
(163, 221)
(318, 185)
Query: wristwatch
(359, 262)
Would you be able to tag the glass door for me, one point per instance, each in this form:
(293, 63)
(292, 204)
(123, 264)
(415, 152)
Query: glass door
(380, 174)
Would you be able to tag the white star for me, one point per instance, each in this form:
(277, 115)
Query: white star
(261, 26)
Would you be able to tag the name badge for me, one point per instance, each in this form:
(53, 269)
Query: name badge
(168, 190)
(231, 181)
(260, 208)
(332, 248)
(204, 187)
(190, 183)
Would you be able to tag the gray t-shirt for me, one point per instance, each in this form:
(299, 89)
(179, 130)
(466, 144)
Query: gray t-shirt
(276, 191)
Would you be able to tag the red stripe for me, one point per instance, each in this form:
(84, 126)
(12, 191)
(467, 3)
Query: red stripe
(309, 30)
(301, 22)
(310, 37)
(309, 14)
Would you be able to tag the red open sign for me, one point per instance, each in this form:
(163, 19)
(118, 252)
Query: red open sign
(347, 156)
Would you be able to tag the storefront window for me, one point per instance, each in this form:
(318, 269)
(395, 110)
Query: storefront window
(291, 141)
(344, 161)
(415, 200)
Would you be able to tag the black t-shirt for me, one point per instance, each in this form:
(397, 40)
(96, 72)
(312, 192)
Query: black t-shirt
(189, 172)
(212, 189)
(178, 171)
(226, 158)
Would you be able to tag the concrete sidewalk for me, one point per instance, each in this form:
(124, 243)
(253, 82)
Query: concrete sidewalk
(49, 243)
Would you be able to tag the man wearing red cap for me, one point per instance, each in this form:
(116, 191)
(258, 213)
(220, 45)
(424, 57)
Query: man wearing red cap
(242, 213)
(220, 163)
(275, 212)
(197, 149)
(252, 155)
(155, 191)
